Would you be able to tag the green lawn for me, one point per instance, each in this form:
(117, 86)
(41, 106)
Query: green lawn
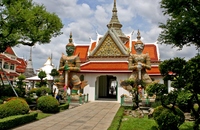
(130, 123)
(122, 122)
(42, 115)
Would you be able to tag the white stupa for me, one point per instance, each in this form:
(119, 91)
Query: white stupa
(48, 66)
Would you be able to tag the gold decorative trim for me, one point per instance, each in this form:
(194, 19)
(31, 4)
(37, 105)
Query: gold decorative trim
(108, 48)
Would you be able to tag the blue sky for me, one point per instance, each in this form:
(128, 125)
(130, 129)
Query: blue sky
(86, 17)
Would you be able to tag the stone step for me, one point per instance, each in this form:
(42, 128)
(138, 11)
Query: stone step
(144, 108)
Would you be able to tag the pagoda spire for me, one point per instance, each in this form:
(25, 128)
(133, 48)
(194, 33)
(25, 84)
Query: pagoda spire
(29, 72)
(29, 65)
(116, 25)
(114, 22)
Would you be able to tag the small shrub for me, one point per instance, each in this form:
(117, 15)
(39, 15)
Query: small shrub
(156, 104)
(14, 121)
(48, 104)
(8, 91)
(29, 100)
(167, 119)
(64, 106)
(33, 90)
(196, 107)
(1, 101)
(14, 106)
(183, 101)
(42, 91)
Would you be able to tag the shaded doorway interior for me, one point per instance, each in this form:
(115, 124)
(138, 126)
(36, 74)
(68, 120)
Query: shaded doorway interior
(106, 87)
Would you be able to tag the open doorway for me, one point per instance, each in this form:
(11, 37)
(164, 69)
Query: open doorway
(106, 87)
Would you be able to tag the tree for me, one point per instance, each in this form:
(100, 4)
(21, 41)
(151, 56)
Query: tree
(27, 23)
(191, 77)
(185, 78)
(182, 27)
(41, 75)
(172, 69)
(21, 84)
(54, 72)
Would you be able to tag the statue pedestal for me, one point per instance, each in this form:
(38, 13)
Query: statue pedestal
(74, 98)
(77, 99)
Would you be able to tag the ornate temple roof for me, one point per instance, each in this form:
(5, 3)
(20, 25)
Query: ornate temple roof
(114, 24)
(110, 52)
(10, 57)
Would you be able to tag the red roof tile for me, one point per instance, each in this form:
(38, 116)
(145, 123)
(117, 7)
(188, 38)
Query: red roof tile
(105, 66)
(113, 66)
(12, 61)
(93, 46)
(9, 50)
(82, 51)
(21, 68)
(2, 56)
(148, 48)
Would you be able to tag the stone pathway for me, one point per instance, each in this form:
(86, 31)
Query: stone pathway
(90, 116)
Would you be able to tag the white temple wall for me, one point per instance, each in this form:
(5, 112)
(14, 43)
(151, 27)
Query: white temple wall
(121, 90)
(90, 88)
(92, 79)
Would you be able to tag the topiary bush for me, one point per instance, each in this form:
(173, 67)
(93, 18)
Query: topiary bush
(48, 104)
(43, 91)
(14, 106)
(167, 119)
(8, 91)
(1, 101)
(33, 90)
(183, 101)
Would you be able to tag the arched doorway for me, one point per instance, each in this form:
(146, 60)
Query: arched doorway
(106, 87)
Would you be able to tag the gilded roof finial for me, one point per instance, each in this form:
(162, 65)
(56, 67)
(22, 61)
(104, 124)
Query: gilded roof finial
(138, 38)
(70, 40)
(114, 7)
(114, 19)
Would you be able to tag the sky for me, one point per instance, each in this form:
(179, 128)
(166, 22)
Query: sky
(86, 18)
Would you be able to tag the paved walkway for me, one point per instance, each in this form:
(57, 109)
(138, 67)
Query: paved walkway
(96, 115)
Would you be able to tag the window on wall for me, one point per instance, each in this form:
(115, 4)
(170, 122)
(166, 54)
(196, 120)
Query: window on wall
(6, 66)
(12, 67)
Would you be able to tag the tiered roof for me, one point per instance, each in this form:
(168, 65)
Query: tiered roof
(9, 56)
(110, 52)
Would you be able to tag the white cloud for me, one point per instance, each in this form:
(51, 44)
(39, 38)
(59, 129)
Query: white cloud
(84, 18)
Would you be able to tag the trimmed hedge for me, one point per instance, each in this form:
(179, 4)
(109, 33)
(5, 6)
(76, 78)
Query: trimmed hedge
(14, 121)
(64, 106)
(14, 106)
(168, 119)
(48, 104)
